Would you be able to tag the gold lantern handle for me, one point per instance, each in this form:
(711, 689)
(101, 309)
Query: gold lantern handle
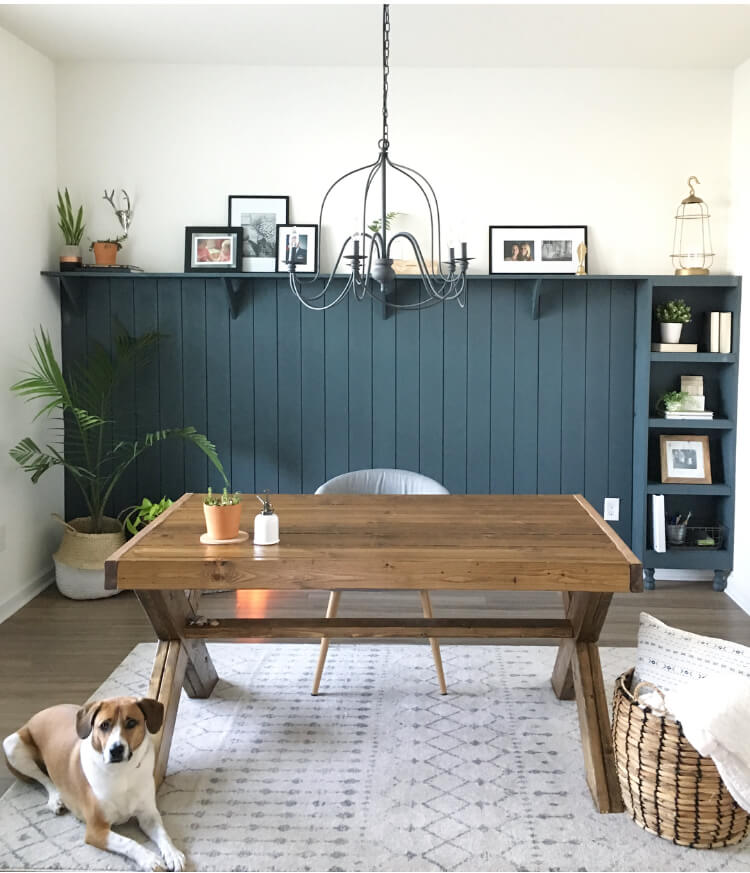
(693, 197)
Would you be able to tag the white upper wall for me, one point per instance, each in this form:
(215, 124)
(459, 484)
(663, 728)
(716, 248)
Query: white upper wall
(27, 168)
(604, 147)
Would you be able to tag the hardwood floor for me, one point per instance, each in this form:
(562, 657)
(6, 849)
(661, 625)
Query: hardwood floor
(57, 650)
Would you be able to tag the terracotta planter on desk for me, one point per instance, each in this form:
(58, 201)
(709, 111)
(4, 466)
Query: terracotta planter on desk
(222, 522)
(105, 254)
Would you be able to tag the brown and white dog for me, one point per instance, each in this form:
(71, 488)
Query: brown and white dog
(98, 761)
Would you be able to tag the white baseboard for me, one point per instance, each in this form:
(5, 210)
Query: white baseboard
(741, 597)
(685, 575)
(27, 593)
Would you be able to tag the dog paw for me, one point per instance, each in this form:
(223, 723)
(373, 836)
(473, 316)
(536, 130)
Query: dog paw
(55, 804)
(152, 862)
(174, 859)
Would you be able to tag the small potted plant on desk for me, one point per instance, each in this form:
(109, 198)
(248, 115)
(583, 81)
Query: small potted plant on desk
(222, 514)
(671, 316)
(72, 227)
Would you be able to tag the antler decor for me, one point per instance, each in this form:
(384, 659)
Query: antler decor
(124, 216)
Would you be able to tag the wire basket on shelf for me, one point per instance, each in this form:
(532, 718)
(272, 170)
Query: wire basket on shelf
(700, 537)
(667, 787)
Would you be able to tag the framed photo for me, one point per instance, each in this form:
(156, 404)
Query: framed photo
(258, 216)
(297, 243)
(213, 248)
(685, 458)
(536, 249)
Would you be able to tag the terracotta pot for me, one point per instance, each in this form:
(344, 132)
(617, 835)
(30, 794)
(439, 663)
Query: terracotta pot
(70, 258)
(670, 331)
(105, 254)
(79, 562)
(222, 522)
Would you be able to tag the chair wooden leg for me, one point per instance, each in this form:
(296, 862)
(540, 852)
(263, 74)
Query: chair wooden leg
(333, 608)
(427, 612)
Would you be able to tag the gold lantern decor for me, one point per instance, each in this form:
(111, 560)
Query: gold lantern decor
(691, 247)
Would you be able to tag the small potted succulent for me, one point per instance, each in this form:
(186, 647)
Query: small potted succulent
(672, 401)
(105, 250)
(72, 227)
(222, 514)
(671, 316)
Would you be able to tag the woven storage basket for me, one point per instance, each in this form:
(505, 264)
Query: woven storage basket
(668, 788)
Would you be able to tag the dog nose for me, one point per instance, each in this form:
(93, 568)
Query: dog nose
(116, 752)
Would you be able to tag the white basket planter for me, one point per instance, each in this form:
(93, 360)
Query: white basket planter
(79, 562)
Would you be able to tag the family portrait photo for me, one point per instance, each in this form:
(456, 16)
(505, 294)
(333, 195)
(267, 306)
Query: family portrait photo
(685, 458)
(212, 248)
(536, 248)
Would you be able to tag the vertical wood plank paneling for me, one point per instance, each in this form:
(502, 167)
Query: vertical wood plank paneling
(431, 392)
(337, 387)
(454, 399)
(525, 451)
(99, 322)
(218, 385)
(73, 325)
(572, 474)
(597, 392)
(478, 377)
(360, 384)
(407, 390)
(172, 452)
(383, 389)
(549, 405)
(621, 375)
(124, 398)
(313, 400)
(502, 385)
(290, 413)
(242, 387)
(194, 407)
(146, 318)
(266, 396)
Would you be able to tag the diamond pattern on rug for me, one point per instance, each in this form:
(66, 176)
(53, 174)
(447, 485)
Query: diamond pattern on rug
(381, 772)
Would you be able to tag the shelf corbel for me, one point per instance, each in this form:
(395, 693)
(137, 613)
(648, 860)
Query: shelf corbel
(236, 290)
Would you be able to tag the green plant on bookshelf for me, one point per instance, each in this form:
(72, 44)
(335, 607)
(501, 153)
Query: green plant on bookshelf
(671, 401)
(674, 312)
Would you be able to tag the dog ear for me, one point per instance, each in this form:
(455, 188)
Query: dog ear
(153, 711)
(85, 718)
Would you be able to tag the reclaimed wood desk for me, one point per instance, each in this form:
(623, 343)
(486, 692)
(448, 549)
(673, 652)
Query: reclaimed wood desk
(424, 542)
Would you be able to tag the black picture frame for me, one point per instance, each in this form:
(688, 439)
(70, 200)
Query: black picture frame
(304, 263)
(271, 210)
(195, 265)
(552, 248)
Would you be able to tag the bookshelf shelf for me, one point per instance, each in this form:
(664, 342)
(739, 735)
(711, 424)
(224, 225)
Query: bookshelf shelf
(691, 423)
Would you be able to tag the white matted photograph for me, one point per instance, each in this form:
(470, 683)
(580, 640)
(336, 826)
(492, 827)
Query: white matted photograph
(258, 216)
(536, 249)
(685, 458)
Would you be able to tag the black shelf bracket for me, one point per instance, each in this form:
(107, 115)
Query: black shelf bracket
(237, 291)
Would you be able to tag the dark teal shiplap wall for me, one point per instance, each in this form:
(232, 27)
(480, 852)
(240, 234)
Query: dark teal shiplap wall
(484, 399)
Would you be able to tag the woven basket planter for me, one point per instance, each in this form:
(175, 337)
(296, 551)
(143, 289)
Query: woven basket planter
(667, 787)
(79, 562)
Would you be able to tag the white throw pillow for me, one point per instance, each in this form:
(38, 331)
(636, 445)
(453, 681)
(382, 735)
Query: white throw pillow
(671, 658)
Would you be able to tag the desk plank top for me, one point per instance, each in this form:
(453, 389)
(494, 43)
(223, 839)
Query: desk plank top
(337, 541)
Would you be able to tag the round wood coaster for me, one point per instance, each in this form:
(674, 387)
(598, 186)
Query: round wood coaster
(240, 538)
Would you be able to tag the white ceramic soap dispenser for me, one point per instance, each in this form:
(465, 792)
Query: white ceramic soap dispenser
(266, 531)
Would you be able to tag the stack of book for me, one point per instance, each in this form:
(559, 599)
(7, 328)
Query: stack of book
(719, 332)
(693, 404)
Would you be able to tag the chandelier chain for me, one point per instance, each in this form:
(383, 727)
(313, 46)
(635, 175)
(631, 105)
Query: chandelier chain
(386, 70)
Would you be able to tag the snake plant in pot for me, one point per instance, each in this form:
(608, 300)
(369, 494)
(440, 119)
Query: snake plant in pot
(90, 446)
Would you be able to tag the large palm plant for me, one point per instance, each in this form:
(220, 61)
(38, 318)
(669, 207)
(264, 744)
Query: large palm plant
(87, 443)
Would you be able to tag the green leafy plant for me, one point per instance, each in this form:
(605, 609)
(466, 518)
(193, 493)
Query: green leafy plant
(139, 516)
(81, 403)
(671, 401)
(224, 499)
(375, 226)
(117, 241)
(70, 223)
(673, 312)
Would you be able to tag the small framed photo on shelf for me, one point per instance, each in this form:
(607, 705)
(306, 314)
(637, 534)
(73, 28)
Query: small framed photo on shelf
(537, 249)
(213, 248)
(685, 459)
(258, 216)
(297, 244)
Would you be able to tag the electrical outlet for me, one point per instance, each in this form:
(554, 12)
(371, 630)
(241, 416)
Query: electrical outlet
(611, 508)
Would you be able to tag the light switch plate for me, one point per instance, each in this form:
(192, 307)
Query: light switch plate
(611, 508)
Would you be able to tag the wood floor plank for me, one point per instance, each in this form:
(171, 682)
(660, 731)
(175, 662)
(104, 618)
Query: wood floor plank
(56, 650)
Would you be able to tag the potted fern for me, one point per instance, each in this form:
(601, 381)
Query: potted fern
(71, 224)
(92, 451)
(671, 316)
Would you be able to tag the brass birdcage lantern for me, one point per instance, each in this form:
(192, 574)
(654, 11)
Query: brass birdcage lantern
(692, 253)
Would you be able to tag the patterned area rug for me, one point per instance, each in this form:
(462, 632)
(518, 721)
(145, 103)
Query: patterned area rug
(378, 773)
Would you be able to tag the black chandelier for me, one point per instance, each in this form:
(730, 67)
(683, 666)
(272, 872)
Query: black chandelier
(370, 252)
